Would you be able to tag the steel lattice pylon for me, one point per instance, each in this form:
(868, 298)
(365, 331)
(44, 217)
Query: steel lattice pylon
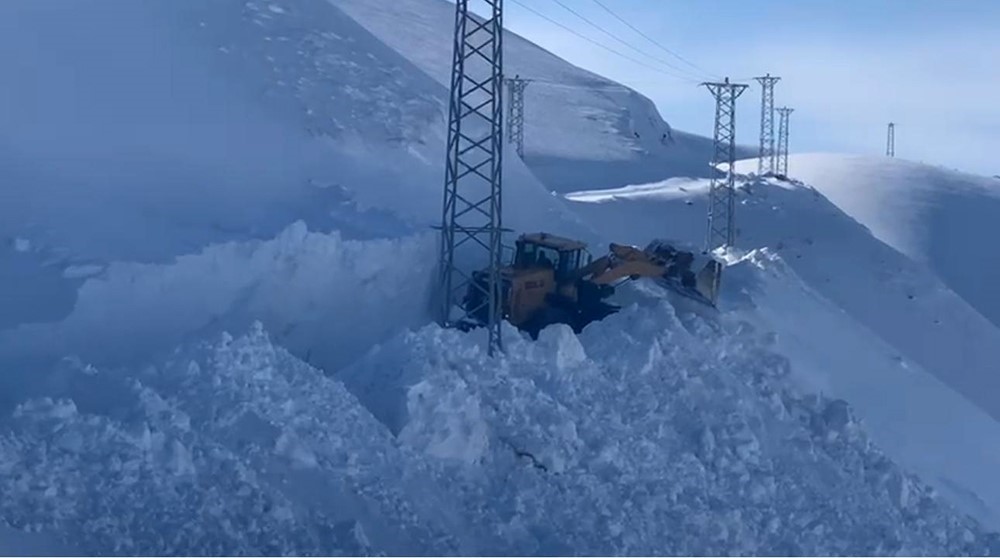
(722, 194)
(890, 141)
(783, 114)
(515, 113)
(471, 224)
(765, 163)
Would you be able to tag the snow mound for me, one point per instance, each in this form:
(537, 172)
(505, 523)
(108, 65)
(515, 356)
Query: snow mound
(232, 447)
(634, 439)
(645, 437)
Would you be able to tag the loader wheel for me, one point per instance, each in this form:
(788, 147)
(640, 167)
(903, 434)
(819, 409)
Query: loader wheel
(547, 316)
(593, 314)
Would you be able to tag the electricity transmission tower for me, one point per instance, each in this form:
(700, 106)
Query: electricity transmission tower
(765, 163)
(471, 224)
(783, 114)
(515, 113)
(890, 141)
(722, 194)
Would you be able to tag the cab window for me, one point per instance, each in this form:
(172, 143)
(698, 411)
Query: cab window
(568, 262)
(533, 255)
(526, 254)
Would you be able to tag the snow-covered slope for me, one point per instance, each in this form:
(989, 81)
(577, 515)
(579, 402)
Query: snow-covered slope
(923, 327)
(582, 131)
(175, 170)
(148, 131)
(939, 217)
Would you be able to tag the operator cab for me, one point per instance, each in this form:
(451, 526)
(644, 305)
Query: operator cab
(542, 250)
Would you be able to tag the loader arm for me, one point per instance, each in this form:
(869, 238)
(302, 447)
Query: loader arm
(622, 262)
(667, 266)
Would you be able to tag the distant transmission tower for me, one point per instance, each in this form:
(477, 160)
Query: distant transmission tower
(783, 114)
(765, 163)
(515, 113)
(890, 141)
(722, 196)
(471, 220)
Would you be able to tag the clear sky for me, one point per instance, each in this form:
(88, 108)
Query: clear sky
(848, 67)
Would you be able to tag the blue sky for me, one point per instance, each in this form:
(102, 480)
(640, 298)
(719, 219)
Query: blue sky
(848, 67)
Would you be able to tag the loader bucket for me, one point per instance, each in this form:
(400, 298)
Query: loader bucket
(680, 276)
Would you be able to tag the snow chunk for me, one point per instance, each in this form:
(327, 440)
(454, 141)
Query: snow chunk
(21, 245)
(445, 422)
(561, 340)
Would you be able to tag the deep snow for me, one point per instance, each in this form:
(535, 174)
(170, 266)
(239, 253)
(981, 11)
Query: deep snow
(924, 326)
(642, 437)
(148, 131)
(179, 170)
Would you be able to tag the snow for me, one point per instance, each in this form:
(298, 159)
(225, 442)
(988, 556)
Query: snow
(304, 117)
(936, 216)
(905, 409)
(582, 131)
(273, 169)
(295, 283)
(22, 245)
(234, 446)
(14, 542)
(898, 304)
(82, 271)
(204, 453)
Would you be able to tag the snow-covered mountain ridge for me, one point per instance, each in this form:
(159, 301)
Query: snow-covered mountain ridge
(938, 217)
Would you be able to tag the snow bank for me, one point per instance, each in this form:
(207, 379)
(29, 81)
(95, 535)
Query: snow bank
(326, 298)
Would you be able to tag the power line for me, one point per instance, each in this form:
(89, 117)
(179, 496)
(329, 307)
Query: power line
(667, 63)
(608, 87)
(654, 41)
(599, 44)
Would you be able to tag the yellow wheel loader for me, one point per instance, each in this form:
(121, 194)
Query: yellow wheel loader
(556, 280)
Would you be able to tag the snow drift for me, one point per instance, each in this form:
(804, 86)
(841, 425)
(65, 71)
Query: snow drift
(936, 216)
(179, 170)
